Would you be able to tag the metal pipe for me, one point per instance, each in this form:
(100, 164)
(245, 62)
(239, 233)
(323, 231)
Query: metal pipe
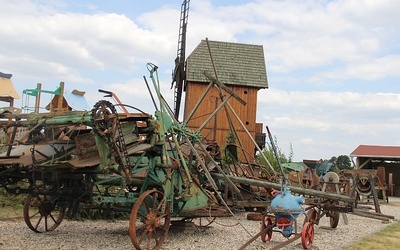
(151, 94)
(298, 190)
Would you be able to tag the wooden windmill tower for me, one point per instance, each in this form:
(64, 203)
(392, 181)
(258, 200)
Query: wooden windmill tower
(241, 67)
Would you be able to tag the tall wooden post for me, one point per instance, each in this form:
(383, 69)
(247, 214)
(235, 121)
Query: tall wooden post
(37, 100)
(60, 98)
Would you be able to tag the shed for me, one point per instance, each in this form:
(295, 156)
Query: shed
(385, 159)
(241, 67)
(73, 100)
(7, 90)
(63, 100)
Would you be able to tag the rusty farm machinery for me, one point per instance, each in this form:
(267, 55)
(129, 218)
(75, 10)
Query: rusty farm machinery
(152, 167)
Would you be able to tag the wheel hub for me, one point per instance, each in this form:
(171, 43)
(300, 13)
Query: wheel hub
(152, 221)
(45, 208)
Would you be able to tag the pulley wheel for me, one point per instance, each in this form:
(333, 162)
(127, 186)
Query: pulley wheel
(104, 118)
(331, 177)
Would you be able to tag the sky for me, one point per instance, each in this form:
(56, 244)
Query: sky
(333, 66)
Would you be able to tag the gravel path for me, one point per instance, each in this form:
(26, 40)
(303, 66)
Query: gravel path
(14, 234)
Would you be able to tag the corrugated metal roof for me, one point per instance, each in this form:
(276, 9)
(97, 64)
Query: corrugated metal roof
(376, 151)
(237, 64)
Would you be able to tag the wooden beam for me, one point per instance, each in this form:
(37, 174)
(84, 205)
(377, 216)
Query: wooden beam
(222, 86)
(298, 190)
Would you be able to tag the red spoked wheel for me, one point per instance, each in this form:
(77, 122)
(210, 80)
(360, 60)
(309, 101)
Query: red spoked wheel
(41, 214)
(311, 216)
(266, 235)
(307, 235)
(149, 223)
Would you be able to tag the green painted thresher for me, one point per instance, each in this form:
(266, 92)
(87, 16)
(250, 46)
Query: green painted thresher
(151, 167)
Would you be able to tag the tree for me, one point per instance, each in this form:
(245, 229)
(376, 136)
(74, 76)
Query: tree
(333, 160)
(341, 162)
(269, 153)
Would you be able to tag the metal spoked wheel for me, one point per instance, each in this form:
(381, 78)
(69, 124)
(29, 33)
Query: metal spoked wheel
(203, 222)
(149, 224)
(307, 235)
(265, 223)
(334, 218)
(41, 214)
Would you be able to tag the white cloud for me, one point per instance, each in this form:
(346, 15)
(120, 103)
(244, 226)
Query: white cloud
(309, 45)
(374, 69)
(329, 123)
(64, 42)
(313, 34)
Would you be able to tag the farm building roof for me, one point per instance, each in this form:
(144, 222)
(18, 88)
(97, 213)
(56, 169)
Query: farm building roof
(371, 151)
(75, 100)
(236, 64)
(6, 86)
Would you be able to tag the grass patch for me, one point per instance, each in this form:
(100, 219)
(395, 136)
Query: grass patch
(8, 212)
(11, 206)
(388, 238)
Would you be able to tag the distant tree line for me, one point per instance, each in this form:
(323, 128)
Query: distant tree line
(341, 162)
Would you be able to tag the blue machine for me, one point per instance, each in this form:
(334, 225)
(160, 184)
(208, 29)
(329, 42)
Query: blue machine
(286, 207)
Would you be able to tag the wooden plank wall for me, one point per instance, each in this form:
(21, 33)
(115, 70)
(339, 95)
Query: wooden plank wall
(247, 114)
(390, 167)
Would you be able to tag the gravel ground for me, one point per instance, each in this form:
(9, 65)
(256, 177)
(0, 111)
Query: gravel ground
(14, 234)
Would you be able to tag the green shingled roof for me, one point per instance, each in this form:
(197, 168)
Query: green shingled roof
(237, 64)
